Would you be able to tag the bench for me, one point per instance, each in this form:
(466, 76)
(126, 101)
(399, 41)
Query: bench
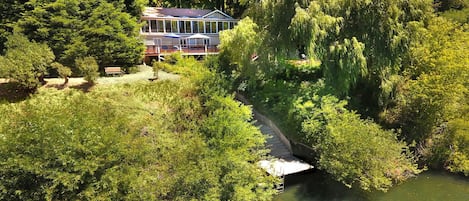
(113, 71)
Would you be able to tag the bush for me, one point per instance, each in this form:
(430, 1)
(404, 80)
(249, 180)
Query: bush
(173, 58)
(132, 69)
(64, 72)
(89, 68)
(25, 62)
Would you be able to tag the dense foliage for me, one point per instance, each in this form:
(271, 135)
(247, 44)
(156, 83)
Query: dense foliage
(168, 140)
(435, 94)
(25, 63)
(395, 62)
(107, 30)
(374, 78)
(85, 28)
(88, 68)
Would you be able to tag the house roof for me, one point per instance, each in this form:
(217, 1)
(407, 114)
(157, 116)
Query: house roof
(175, 12)
(180, 12)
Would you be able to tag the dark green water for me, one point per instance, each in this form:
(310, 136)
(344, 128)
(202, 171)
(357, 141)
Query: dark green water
(428, 186)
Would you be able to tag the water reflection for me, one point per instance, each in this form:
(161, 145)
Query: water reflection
(431, 185)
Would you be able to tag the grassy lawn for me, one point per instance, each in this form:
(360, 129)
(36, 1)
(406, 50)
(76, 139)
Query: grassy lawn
(9, 93)
(145, 73)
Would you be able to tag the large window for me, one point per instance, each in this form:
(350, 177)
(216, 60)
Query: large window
(195, 27)
(185, 27)
(188, 26)
(198, 27)
(214, 27)
(174, 26)
(156, 26)
(207, 27)
(220, 26)
(160, 26)
(168, 26)
(145, 28)
(201, 27)
(182, 27)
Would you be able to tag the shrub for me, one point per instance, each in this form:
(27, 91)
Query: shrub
(132, 70)
(64, 72)
(89, 68)
(25, 62)
(173, 58)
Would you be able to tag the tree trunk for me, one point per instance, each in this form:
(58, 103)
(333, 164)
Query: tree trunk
(66, 81)
(42, 80)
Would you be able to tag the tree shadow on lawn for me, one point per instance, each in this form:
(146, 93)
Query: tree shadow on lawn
(57, 86)
(85, 87)
(12, 93)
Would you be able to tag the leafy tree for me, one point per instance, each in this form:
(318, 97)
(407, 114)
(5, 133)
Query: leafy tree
(432, 104)
(89, 68)
(10, 12)
(461, 16)
(75, 29)
(72, 153)
(122, 45)
(63, 71)
(56, 23)
(380, 27)
(344, 65)
(439, 79)
(26, 62)
(239, 46)
(133, 7)
(355, 152)
(444, 5)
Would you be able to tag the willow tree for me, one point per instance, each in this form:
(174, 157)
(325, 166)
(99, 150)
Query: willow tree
(240, 46)
(379, 27)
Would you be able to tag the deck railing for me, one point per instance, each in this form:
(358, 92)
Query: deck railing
(161, 50)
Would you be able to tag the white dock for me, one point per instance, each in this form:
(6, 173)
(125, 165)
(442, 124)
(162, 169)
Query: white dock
(283, 162)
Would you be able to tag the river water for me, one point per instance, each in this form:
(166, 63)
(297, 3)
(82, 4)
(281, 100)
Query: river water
(428, 186)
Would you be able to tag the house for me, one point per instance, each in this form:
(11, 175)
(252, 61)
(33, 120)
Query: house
(189, 31)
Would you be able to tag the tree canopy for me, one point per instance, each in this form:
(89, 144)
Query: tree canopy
(106, 30)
